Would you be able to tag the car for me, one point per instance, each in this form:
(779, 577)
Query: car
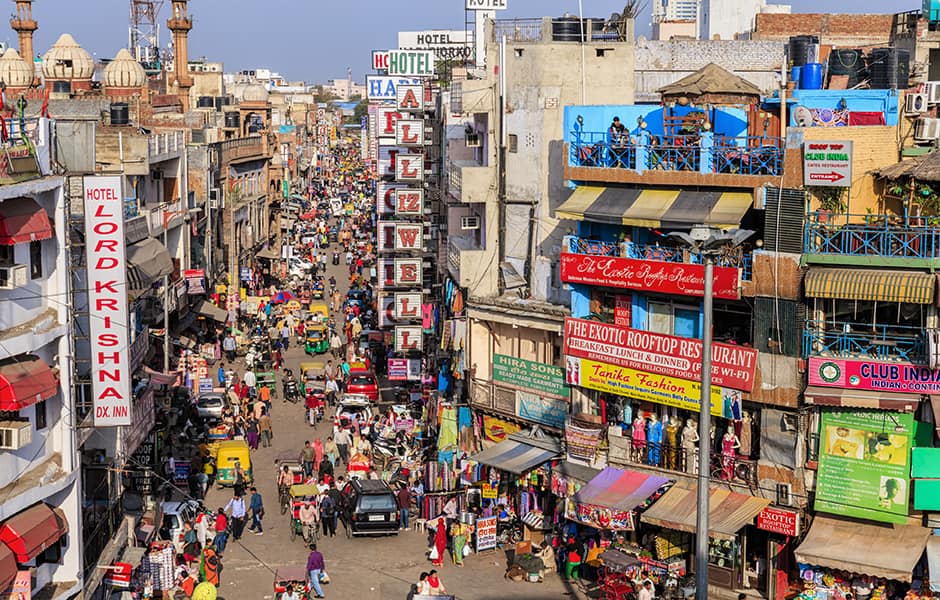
(370, 507)
(364, 383)
(210, 405)
(174, 515)
(352, 406)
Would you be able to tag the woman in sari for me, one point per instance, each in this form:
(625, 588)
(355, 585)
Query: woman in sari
(440, 542)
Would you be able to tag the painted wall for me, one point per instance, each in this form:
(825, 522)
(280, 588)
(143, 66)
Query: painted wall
(729, 121)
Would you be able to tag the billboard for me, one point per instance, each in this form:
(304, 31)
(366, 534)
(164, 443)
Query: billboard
(409, 167)
(732, 366)
(447, 44)
(409, 132)
(864, 464)
(387, 197)
(410, 63)
(386, 311)
(409, 236)
(408, 202)
(873, 376)
(380, 60)
(404, 369)
(408, 305)
(827, 163)
(529, 376)
(408, 272)
(383, 87)
(107, 301)
(409, 337)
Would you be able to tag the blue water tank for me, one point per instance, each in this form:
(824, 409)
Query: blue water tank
(811, 76)
(795, 74)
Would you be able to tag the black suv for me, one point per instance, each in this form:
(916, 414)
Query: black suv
(370, 507)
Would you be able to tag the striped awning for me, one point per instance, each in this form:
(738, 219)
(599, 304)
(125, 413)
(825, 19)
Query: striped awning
(655, 207)
(514, 457)
(873, 285)
(728, 511)
(850, 398)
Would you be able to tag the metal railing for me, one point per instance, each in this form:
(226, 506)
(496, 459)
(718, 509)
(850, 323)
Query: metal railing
(518, 30)
(165, 143)
(864, 340)
(872, 235)
(724, 467)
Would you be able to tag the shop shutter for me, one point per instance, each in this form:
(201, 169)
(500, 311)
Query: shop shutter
(778, 326)
(783, 219)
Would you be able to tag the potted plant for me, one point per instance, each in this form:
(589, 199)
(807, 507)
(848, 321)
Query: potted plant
(926, 203)
(831, 201)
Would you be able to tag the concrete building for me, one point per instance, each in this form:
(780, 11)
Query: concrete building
(732, 19)
(345, 89)
(675, 19)
(673, 30)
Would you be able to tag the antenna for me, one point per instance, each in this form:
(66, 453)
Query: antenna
(145, 33)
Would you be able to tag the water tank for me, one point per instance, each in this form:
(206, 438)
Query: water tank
(119, 113)
(889, 68)
(205, 102)
(811, 76)
(231, 120)
(62, 87)
(795, 75)
(566, 29)
(847, 61)
(801, 49)
(218, 103)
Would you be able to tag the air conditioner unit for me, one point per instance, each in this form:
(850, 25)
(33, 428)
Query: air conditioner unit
(470, 222)
(915, 104)
(926, 130)
(474, 140)
(784, 494)
(15, 434)
(12, 277)
(933, 92)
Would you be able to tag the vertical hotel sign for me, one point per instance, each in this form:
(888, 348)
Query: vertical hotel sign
(107, 301)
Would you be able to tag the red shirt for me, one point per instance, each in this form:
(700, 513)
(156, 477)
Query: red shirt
(221, 522)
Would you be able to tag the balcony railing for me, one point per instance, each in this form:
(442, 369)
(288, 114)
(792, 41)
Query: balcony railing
(705, 153)
(900, 343)
(518, 30)
(872, 235)
(165, 143)
(723, 467)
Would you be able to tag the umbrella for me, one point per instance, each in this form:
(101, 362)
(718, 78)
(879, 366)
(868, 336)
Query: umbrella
(282, 297)
(308, 216)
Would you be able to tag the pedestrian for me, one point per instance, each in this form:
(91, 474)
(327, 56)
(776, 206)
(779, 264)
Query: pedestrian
(221, 374)
(317, 454)
(228, 345)
(191, 547)
(289, 594)
(404, 504)
(459, 535)
(422, 587)
(315, 566)
(202, 527)
(237, 506)
(331, 451)
(257, 512)
(251, 432)
(285, 337)
(328, 513)
(211, 566)
(343, 439)
(265, 429)
(307, 456)
(221, 531)
(249, 378)
(646, 592)
(435, 586)
(440, 543)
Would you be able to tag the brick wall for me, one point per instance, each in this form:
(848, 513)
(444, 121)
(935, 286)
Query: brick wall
(864, 29)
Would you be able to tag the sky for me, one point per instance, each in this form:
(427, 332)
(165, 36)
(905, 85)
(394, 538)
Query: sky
(316, 40)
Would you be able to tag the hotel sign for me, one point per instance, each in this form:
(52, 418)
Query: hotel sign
(410, 63)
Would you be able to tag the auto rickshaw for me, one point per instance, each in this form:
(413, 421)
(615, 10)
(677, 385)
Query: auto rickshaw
(231, 452)
(296, 577)
(322, 309)
(318, 340)
(318, 289)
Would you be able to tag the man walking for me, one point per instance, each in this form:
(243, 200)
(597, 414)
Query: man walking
(328, 510)
(315, 566)
(257, 512)
(404, 503)
(307, 457)
(228, 344)
(237, 506)
(221, 531)
(343, 439)
(285, 337)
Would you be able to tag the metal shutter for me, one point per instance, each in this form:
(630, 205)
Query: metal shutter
(787, 235)
(778, 326)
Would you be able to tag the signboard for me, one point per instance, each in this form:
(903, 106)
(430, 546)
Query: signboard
(447, 44)
(387, 117)
(386, 311)
(409, 132)
(497, 430)
(387, 197)
(409, 98)
(599, 516)
(648, 275)
(827, 164)
(404, 369)
(408, 271)
(732, 366)
(623, 310)
(409, 202)
(486, 533)
(21, 588)
(489, 491)
(144, 418)
(779, 520)
(873, 376)
(244, 273)
(385, 235)
(195, 281)
(409, 167)
(383, 87)
(409, 236)
(380, 60)
(385, 274)
(410, 63)
(408, 337)
(205, 385)
(107, 301)
(530, 376)
(538, 409)
(650, 387)
(486, 5)
(408, 305)
(864, 464)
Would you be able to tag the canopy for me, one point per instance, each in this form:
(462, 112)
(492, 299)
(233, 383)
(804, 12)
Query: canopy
(863, 547)
(23, 220)
(24, 381)
(572, 470)
(710, 79)
(30, 532)
(514, 457)
(872, 285)
(160, 378)
(147, 261)
(609, 500)
(210, 310)
(268, 253)
(853, 398)
(643, 207)
(728, 511)
(282, 297)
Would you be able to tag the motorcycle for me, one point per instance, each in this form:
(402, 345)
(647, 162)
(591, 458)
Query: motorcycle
(509, 532)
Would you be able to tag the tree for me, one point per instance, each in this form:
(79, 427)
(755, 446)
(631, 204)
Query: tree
(361, 110)
(323, 95)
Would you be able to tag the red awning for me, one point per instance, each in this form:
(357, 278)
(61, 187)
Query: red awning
(25, 381)
(30, 532)
(8, 567)
(22, 220)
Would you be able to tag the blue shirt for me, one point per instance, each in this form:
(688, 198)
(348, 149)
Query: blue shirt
(238, 507)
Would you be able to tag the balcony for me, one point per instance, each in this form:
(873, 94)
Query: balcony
(668, 457)
(887, 343)
(465, 260)
(704, 159)
(871, 240)
(470, 182)
(243, 149)
(166, 145)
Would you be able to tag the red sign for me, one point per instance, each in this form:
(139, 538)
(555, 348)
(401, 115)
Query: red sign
(648, 275)
(778, 520)
(732, 366)
(623, 310)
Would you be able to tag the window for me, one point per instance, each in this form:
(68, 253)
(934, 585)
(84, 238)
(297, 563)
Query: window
(602, 52)
(6, 256)
(35, 260)
(673, 319)
(518, 52)
(41, 415)
(513, 143)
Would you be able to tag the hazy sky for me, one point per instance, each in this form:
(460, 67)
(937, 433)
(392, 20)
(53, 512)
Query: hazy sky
(317, 40)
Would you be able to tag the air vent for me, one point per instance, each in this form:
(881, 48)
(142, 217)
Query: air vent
(470, 222)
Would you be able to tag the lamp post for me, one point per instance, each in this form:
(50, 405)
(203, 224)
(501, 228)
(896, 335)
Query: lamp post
(705, 241)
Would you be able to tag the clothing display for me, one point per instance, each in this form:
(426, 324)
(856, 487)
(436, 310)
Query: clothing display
(654, 438)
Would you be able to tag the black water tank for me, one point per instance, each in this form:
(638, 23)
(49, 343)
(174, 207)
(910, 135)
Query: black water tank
(889, 68)
(848, 61)
(801, 49)
(218, 103)
(231, 120)
(119, 114)
(205, 102)
(62, 87)
(566, 29)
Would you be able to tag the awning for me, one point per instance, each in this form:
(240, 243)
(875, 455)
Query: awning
(851, 398)
(863, 547)
(147, 261)
(933, 561)
(160, 378)
(22, 220)
(514, 457)
(872, 285)
(655, 208)
(24, 381)
(30, 532)
(268, 253)
(620, 489)
(728, 511)
(572, 470)
(210, 310)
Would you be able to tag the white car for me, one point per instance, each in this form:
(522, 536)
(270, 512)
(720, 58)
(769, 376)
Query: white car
(210, 405)
(352, 406)
(174, 515)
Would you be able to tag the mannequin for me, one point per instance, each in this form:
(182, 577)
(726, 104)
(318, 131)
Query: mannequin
(689, 448)
(627, 412)
(654, 437)
(639, 438)
(729, 444)
(672, 435)
(745, 437)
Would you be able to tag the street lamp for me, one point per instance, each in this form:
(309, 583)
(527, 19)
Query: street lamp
(706, 241)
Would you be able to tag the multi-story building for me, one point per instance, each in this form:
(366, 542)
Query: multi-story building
(732, 19)
(345, 89)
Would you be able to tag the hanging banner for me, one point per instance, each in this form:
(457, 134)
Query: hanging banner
(498, 430)
(547, 411)
(873, 376)
(599, 517)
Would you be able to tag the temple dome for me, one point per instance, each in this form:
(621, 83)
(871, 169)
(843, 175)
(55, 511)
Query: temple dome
(66, 60)
(14, 72)
(124, 72)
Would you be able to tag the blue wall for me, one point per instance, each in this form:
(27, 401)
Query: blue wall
(729, 121)
(883, 101)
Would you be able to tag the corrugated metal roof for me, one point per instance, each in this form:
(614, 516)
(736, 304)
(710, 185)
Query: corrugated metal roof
(728, 511)
(514, 457)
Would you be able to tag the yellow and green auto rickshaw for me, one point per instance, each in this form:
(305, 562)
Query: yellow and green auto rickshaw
(318, 340)
(231, 452)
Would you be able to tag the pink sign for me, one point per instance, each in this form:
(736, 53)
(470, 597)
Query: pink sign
(872, 375)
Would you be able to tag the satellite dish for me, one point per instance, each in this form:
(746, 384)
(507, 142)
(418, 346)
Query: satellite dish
(802, 116)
